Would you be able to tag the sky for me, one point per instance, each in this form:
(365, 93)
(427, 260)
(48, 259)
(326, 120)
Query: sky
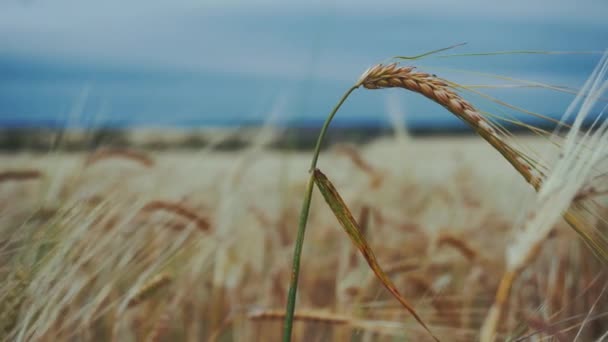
(200, 63)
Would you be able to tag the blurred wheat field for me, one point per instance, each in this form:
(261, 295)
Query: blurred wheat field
(194, 246)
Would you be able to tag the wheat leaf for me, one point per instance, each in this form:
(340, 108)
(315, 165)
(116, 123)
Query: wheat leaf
(347, 221)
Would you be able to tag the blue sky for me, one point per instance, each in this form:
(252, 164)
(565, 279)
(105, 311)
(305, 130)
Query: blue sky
(187, 62)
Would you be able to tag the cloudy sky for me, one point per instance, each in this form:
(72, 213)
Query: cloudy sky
(197, 62)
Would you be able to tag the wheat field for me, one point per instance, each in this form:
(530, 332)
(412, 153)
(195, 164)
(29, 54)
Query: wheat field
(180, 245)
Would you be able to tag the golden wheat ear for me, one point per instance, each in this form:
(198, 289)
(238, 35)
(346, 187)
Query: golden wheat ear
(439, 91)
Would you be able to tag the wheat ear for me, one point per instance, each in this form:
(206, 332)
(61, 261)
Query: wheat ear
(439, 90)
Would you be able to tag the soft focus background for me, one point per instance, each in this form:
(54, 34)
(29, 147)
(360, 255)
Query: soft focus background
(192, 63)
(154, 158)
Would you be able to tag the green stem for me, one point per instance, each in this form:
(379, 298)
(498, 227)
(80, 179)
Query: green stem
(297, 252)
